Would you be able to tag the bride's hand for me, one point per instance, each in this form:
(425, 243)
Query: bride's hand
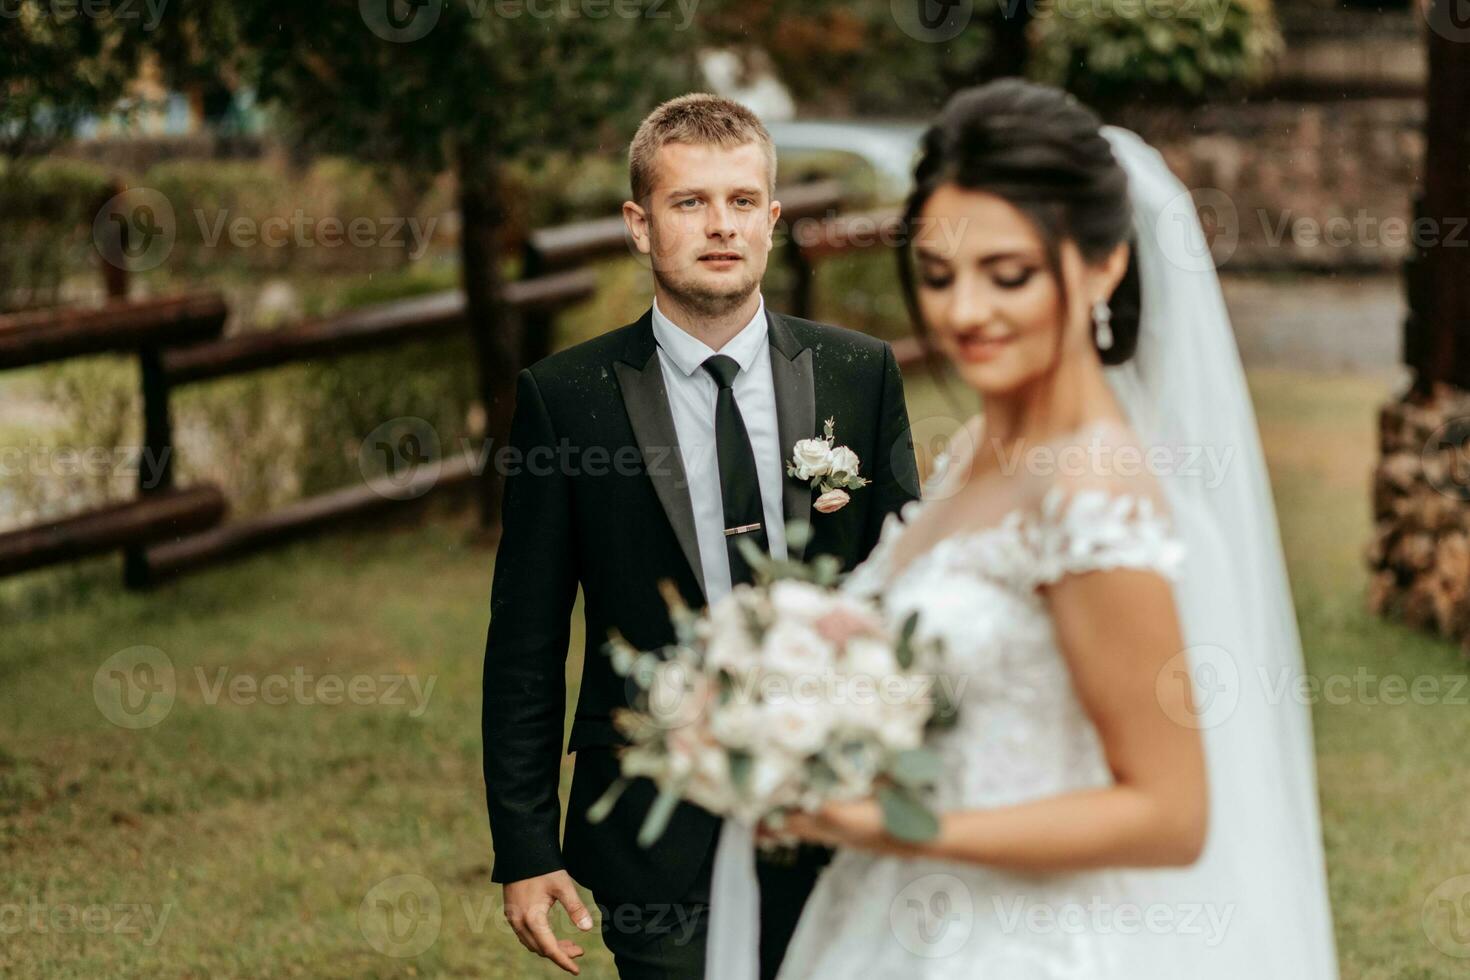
(858, 824)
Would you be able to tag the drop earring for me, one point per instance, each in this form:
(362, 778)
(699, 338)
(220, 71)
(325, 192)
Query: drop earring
(1102, 321)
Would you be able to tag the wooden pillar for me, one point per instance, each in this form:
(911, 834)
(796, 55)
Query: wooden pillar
(1444, 293)
(156, 455)
(536, 325)
(494, 327)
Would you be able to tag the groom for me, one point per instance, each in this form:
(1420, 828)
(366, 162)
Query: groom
(647, 453)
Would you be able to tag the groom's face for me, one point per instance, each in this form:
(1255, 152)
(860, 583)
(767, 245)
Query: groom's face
(707, 223)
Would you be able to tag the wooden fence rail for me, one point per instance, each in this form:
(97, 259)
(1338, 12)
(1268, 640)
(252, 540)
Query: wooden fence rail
(166, 531)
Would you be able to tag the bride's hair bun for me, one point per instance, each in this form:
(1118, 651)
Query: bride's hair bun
(1043, 151)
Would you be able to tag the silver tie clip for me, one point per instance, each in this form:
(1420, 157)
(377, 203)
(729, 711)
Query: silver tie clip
(742, 529)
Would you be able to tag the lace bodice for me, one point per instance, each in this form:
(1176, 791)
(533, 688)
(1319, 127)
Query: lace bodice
(1022, 734)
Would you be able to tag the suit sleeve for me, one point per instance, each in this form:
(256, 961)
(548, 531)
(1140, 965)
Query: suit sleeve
(895, 473)
(532, 595)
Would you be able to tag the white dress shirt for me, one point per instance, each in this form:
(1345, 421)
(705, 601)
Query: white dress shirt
(692, 393)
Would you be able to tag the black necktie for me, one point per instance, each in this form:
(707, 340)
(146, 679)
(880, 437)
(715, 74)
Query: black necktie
(739, 489)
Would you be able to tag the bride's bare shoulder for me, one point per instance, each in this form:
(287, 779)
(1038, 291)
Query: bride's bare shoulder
(1104, 455)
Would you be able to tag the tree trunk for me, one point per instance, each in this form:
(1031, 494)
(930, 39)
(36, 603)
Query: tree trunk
(493, 327)
(1446, 291)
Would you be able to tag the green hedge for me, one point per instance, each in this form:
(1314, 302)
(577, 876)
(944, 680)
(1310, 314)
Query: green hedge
(1114, 52)
(46, 212)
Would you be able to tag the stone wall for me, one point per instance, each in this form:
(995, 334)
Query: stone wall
(1298, 184)
(1319, 169)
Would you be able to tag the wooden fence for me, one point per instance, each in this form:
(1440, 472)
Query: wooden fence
(166, 530)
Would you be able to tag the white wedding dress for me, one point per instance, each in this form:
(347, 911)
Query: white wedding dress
(1255, 905)
(1022, 735)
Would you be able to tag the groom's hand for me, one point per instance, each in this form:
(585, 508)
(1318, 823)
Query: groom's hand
(528, 905)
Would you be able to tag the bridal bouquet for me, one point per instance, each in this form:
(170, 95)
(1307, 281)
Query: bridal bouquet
(781, 696)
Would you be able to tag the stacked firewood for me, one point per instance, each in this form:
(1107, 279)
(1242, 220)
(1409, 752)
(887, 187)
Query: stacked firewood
(1419, 557)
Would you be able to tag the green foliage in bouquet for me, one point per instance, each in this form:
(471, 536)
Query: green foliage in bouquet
(699, 733)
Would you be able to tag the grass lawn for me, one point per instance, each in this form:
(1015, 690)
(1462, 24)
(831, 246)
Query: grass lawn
(236, 837)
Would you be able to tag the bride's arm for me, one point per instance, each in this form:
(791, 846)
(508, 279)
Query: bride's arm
(1119, 631)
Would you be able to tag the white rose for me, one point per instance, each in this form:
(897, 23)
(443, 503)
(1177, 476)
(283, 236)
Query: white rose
(796, 650)
(870, 659)
(802, 601)
(844, 462)
(800, 729)
(813, 458)
(677, 695)
(737, 724)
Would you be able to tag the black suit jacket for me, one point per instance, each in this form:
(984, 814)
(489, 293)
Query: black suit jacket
(596, 496)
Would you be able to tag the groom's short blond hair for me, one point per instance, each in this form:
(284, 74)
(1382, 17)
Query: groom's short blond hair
(698, 118)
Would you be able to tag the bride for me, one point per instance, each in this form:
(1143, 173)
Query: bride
(1123, 796)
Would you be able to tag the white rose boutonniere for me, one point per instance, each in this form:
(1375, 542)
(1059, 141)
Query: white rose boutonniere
(832, 469)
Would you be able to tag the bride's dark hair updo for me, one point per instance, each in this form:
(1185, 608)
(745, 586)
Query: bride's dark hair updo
(1043, 152)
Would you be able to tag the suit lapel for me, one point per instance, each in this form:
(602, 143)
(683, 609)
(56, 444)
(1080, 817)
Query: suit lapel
(796, 414)
(647, 402)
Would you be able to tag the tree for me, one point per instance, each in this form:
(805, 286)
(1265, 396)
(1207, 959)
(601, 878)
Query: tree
(468, 85)
(1438, 344)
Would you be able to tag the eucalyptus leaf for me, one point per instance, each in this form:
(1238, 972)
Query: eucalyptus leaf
(659, 815)
(905, 816)
(597, 812)
(917, 767)
(798, 535)
(742, 764)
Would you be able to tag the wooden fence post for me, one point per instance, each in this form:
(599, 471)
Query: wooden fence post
(1447, 198)
(155, 454)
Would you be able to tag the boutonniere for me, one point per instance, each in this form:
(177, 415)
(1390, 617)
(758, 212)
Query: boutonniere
(831, 469)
